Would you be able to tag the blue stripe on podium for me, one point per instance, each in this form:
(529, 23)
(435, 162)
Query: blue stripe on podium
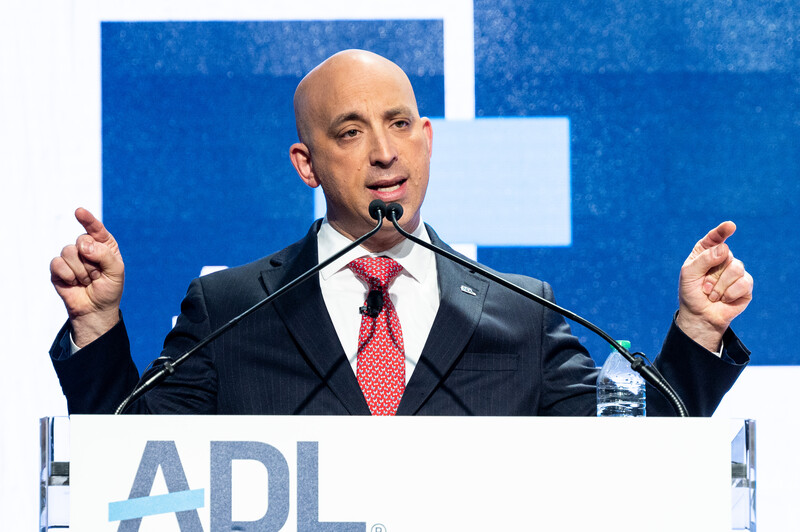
(178, 501)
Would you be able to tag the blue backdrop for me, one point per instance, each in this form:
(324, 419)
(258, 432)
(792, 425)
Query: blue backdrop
(682, 114)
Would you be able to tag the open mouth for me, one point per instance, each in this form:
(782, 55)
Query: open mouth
(387, 187)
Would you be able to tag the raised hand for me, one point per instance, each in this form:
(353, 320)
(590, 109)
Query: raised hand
(714, 288)
(89, 277)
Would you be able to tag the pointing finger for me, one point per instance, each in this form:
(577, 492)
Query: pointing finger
(93, 226)
(716, 236)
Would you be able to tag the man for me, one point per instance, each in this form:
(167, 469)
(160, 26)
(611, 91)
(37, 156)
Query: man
(444, 341)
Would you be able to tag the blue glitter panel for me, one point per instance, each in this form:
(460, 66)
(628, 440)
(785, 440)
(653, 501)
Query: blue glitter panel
(683, 114)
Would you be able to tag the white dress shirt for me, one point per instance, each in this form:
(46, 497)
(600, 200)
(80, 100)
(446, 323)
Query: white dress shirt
(414, 292)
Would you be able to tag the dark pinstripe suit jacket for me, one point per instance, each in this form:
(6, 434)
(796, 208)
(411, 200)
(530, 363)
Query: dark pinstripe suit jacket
(489, 352)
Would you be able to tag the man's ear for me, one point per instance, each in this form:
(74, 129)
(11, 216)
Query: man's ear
(427, 130)
(301, 159)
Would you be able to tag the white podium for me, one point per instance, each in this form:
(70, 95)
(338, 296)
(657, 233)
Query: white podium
(342, 474)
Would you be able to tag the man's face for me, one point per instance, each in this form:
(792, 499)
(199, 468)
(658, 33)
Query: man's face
(366, 141)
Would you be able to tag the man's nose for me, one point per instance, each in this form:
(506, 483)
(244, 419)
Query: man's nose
(382, 151)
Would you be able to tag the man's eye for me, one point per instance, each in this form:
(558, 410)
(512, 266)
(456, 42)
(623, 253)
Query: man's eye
(401, 123)
(350, 133)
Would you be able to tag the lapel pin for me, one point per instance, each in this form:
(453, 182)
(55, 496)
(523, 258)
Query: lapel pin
(467, 290)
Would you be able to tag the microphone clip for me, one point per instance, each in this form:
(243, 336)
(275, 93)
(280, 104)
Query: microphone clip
(374, 304)
(368, 311)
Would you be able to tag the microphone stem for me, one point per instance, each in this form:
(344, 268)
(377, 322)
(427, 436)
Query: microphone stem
(169, 367)
(637, 361)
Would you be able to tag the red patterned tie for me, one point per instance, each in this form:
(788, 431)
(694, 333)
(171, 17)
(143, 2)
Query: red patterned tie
(381, 355)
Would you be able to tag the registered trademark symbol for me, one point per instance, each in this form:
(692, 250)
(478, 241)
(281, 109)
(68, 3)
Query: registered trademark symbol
(378, 528)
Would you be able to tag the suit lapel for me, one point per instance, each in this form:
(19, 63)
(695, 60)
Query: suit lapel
(462, 294)
(304, 313)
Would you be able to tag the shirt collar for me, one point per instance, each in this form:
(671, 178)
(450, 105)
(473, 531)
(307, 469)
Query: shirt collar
(415, 260)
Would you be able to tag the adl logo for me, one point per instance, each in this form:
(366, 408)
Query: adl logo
(184, 502)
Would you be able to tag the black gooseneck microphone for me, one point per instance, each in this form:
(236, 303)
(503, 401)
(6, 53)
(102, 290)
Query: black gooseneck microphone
(374, 303)
(377, 209)
(638, 361)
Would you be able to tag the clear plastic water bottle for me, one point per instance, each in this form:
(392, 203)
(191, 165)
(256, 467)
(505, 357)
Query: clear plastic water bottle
(620, 390)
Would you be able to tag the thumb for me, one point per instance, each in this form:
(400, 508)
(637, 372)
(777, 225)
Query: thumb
(706, 263)
(107, 259)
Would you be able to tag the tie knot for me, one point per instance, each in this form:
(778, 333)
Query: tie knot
(377, 271)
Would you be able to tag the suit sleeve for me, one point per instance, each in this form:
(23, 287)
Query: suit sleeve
(568, 372)
(699, 377)
(96, 379)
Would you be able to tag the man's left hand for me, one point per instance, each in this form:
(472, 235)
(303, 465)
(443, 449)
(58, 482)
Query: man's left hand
(714, 288)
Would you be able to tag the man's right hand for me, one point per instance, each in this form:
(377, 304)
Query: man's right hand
(89, 276)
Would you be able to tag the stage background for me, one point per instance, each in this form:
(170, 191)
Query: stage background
(173, 121)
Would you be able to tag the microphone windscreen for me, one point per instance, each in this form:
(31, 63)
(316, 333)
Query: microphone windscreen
(374, 302)
(375, 207)
(395, 208)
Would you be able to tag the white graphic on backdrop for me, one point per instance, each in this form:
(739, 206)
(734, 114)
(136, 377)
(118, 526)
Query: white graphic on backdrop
(205, 270)
(498, 182)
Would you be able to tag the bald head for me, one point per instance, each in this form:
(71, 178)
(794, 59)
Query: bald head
(361, 139)
(333, 78)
